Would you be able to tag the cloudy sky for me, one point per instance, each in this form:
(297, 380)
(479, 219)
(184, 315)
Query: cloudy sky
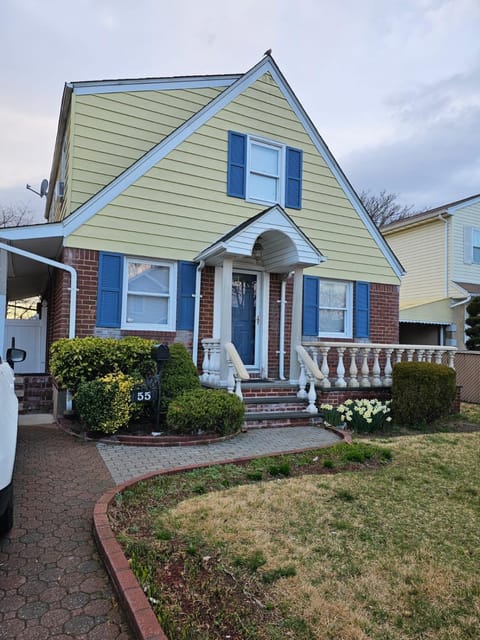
(393, 86)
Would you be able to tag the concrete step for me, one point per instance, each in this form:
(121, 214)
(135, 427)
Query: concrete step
(263, 404)
(260, 420)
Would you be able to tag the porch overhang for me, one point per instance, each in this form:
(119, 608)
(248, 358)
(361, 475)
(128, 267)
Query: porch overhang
(28, 277)
(271, 239)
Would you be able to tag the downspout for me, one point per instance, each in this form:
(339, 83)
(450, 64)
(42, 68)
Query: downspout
(196, 315)
(281, 346)
(73, 292)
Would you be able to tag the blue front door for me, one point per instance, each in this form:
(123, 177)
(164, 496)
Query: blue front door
(244, 314)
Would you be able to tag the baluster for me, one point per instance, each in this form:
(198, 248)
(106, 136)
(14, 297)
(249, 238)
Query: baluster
(439, 356)
(428, 355)
(410, 353)
(376, 380)
(215, 363)
(312, 396)
(314, 354)
(353, 380)
(230, 377)
(398, 355)
(451, 359)
(302, 381)
(387, 380)
(325, 371)
(340, 382)
(364, 380)
(420, 353)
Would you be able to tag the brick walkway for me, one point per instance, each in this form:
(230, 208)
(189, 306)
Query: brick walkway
(52, 582)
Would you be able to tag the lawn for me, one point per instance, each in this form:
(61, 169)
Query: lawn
(379, 540)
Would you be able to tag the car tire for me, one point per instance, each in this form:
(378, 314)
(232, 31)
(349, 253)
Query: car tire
(6, 519)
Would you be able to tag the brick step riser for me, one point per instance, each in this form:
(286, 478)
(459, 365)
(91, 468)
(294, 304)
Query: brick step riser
(306, 421)
(252, 393)
(259, 407)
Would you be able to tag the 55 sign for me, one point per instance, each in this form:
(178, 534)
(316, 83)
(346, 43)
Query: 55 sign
(141, 394)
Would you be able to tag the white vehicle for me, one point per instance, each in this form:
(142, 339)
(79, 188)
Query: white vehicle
(8, 438)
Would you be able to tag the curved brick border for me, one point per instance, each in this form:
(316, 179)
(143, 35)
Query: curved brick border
(140, 615)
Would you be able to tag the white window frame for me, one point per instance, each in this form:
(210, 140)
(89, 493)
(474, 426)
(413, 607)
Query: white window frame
(277, 146)
(348, 325)
(172, 296)
(475, 232)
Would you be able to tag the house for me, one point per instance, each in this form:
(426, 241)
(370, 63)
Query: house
(207, 210)
(440, 250)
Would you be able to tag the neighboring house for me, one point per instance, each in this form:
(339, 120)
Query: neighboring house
(440, 250)
(204, 208)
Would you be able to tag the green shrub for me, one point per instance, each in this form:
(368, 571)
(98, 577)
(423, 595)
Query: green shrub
(422, 392)
(179, 375)
(473, 322)
(77, 360)
(205, 410)
(104, 404)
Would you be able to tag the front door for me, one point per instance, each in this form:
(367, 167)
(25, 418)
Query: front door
(244, 316)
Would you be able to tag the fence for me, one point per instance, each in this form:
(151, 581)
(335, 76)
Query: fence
(467, 365)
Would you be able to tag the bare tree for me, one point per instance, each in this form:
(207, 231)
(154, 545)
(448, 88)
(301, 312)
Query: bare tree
(15, 215)
(384, 208)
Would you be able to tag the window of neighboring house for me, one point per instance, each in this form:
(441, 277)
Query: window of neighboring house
(148, 295)
(335, 309)
(264, 171)
(476, 245)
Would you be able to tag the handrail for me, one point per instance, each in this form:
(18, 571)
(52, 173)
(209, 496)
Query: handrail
(309, 363)
(236, 370)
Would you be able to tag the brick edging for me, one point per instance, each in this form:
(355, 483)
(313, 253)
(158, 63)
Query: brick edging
(140, 614)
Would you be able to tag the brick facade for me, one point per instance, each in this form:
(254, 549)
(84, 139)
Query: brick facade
(383, 310)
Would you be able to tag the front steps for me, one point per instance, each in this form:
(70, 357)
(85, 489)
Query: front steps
(275, 404)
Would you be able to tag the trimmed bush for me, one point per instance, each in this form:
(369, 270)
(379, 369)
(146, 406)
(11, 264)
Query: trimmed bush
(179, 375)
(473, 322)
(104, 404)
(205, 410)
(422, 392)
(77, 360)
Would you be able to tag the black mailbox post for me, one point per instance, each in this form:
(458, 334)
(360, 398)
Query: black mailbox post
(160, 354)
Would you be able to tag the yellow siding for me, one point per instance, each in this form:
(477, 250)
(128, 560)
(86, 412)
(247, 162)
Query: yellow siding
(461, 272)
(421, 250)
(180, 206)
(438, 311)
(114, 130)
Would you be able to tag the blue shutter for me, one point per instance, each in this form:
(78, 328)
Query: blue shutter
(237, 164)
(293, 182)
(311, 303)
(110, 282)
(187, 272)
(362, 309)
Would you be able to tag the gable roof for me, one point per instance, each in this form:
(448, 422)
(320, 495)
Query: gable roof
(432, 214)
(285, 245)
(235, 88)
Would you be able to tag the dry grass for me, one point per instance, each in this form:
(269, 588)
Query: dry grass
(389, 554)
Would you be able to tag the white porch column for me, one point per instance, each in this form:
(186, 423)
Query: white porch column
(296, 335)
(226, 315)
(3, 298)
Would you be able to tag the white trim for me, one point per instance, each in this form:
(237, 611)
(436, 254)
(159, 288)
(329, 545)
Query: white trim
(157, 153)
(171, 296)
(465, 203)
(155, 84)
(348, 333)
(34, 232)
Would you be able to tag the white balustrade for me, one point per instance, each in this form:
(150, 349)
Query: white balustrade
(211, 361)
(368, 365)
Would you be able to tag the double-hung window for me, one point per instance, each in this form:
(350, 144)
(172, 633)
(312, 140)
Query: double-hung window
(264, 171)
(264, 178)
(149, 295)
(335, 307)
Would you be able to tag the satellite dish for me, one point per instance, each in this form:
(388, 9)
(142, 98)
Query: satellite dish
(44, 188)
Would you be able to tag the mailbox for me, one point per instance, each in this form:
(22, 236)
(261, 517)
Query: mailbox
(160, 353)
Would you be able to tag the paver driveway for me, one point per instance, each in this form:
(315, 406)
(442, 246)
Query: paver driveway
(52, 582)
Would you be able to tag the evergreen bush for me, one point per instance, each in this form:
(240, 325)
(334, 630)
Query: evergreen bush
(473, 322)
(104, 404)
(179, 374)
(77, 360)
(205, 410)
(422, 392)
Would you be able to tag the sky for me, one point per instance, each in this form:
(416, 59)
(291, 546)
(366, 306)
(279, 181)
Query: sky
(393, 86)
